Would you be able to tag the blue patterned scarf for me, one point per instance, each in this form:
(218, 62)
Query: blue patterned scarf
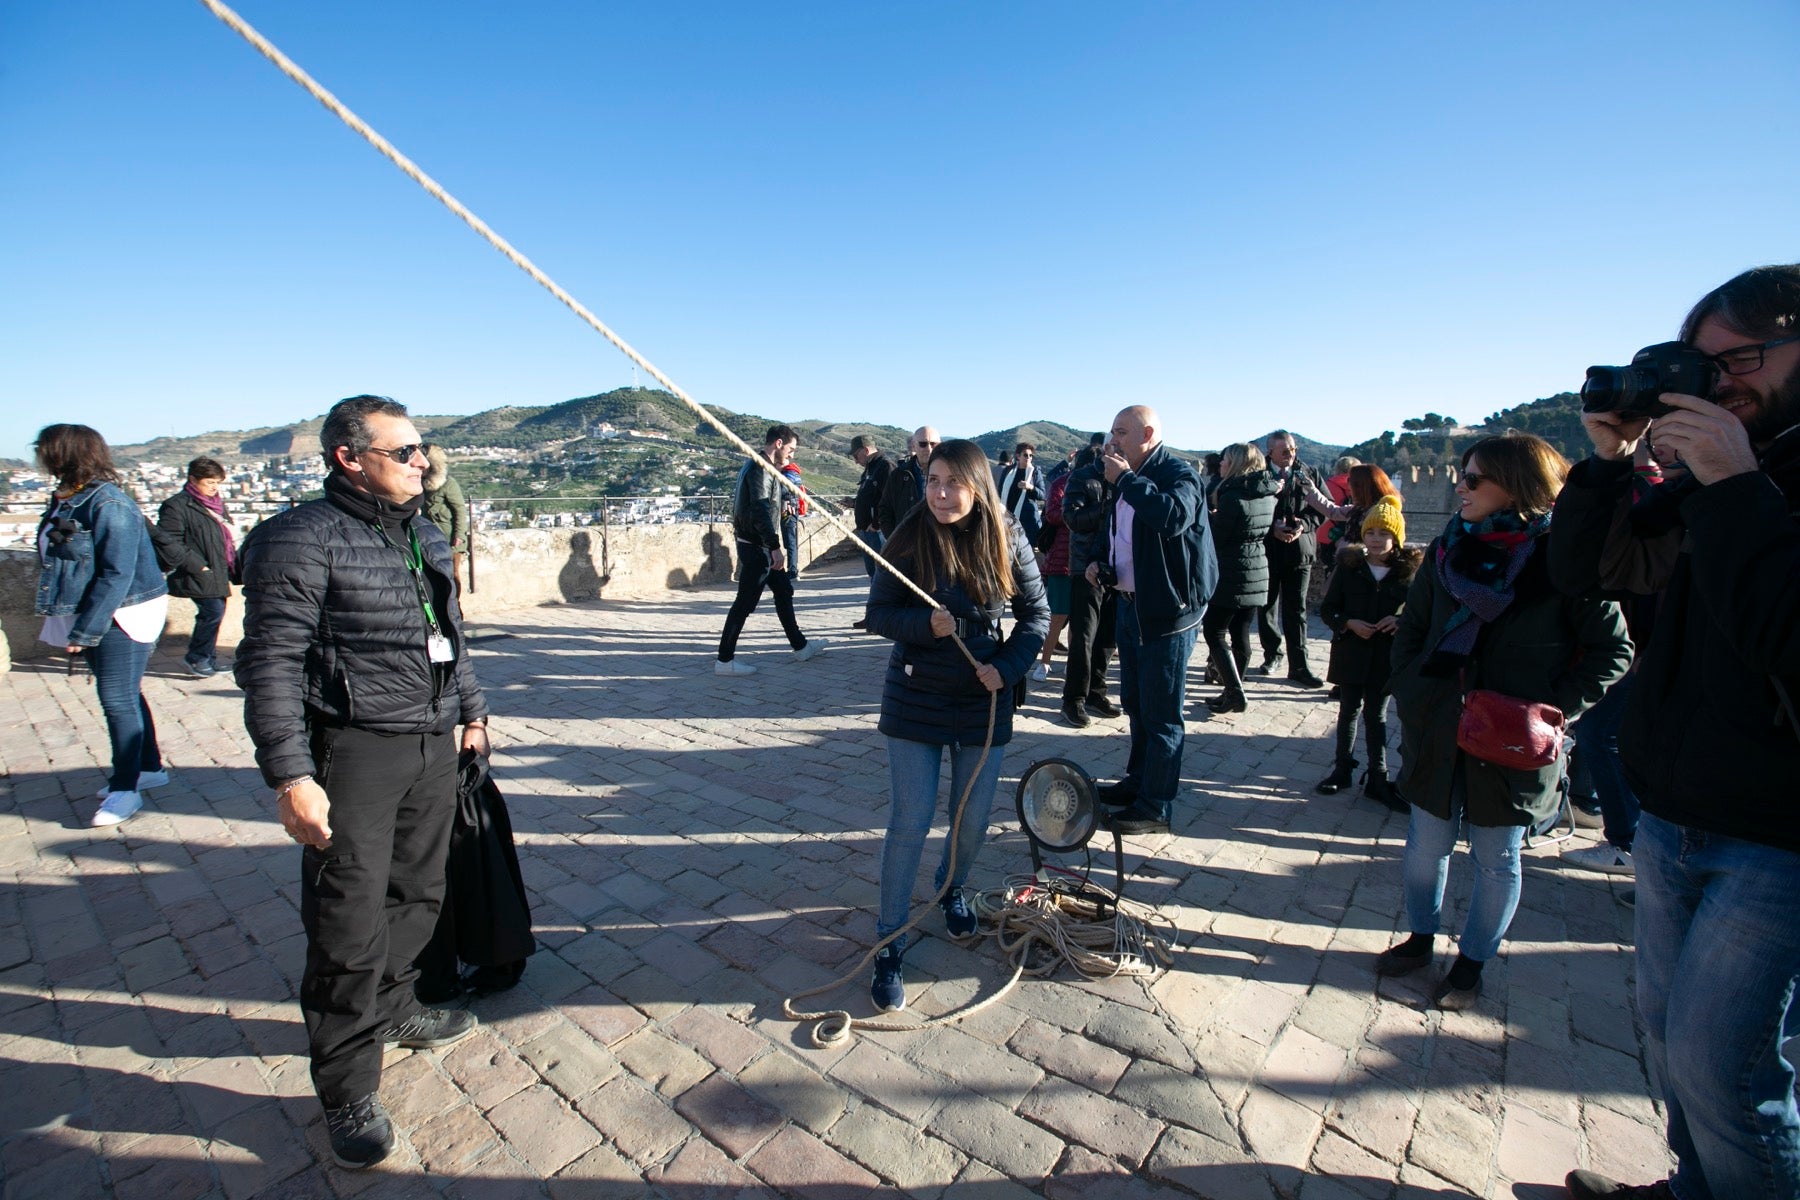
(1477, 564)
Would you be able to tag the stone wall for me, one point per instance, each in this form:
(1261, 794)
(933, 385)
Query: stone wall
(514, 568)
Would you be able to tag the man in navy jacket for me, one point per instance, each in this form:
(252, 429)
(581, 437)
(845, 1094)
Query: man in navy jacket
(1162, 557)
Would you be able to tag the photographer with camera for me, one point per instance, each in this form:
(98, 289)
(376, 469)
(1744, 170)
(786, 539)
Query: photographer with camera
(1710, 739)
(1292, 541)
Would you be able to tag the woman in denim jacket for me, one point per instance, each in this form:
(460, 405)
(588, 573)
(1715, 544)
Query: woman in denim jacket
(101, 593)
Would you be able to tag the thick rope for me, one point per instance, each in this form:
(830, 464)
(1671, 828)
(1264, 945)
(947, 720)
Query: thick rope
(829, 1024)
(412, 171)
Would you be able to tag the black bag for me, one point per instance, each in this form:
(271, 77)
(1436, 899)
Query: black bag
(486, 918)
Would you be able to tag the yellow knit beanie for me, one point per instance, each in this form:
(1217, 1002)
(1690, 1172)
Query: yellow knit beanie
(1386, 515)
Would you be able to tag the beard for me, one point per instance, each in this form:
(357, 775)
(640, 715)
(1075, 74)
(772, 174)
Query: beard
(1778, 413)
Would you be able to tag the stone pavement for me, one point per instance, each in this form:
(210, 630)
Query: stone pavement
(699, 846)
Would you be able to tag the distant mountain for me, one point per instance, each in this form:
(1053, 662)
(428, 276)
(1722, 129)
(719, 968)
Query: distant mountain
(1435, 440)
(682, 451)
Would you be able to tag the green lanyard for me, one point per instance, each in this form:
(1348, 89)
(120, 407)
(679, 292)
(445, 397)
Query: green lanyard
(415, 562)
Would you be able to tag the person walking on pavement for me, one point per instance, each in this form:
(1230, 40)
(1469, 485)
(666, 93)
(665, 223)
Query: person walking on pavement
(762, 562)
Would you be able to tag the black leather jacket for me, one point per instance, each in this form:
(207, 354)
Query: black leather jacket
(334, 633)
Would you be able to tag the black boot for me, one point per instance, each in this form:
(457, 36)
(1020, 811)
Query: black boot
(1379, 788)
(1341, 777)
(1229, 702)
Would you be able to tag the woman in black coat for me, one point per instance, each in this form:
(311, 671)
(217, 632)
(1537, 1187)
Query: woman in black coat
(1362, 608)
(1482, 613)
(1243, 512)
(194, 533)
(972, 558)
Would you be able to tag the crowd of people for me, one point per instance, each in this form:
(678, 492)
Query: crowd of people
(1647, 597)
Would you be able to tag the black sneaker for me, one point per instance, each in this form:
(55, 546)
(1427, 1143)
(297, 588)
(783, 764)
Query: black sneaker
(1305, 678)
(1379, 788)
(1104, 708)
(430, 1028)
(1270, 664)
(959, 919)
(1586, 1185)
(1136, 820)
(888, 991)
(1074, 715)
(361, 1134)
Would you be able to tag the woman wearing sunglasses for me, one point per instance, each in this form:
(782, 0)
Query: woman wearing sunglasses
(1481, 613)
(102, 595)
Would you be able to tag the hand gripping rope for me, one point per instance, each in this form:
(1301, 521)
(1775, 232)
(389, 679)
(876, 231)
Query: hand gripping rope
(1025, 920)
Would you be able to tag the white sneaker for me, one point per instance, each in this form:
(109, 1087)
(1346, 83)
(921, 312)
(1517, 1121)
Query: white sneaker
(1040, 672)
(1604, 857)
(734, 667)
(146, 781)
(117, 807)
(812, 649)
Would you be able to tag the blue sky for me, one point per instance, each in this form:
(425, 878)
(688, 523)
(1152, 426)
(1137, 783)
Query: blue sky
(1325, 216)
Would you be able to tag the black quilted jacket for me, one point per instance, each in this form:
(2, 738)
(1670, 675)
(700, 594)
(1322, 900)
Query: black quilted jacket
(334, 633)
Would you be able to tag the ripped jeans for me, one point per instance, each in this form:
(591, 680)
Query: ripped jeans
(1495, 849)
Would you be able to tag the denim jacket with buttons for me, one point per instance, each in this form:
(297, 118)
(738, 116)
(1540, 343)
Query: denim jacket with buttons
(105, 562)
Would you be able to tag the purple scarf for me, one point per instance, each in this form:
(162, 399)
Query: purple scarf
(216, 506)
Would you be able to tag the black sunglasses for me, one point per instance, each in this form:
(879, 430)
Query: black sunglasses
(400, 454)
(1473, 479)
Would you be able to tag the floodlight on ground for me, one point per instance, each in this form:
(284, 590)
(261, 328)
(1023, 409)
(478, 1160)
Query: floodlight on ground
(1059, 810)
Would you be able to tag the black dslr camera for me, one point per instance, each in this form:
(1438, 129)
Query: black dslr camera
(1633, 392)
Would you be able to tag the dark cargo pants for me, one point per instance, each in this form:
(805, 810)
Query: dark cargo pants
(370, 900)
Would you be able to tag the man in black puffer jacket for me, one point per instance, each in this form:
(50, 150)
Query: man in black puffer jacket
(1165, 569)
(355, 677)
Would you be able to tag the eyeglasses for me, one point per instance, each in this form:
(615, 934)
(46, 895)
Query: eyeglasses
(1742, 360)
(400, 454)
(1474, 479)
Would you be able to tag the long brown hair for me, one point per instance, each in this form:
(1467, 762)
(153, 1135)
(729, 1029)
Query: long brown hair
(1369, 483)
(76, 455)
(980, 557)
(1524, 466)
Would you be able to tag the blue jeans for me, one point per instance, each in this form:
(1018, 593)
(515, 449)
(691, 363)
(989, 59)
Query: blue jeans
(203, 646)
(119, 664)
(1597, 732)
(1495, 849)
(913, 769)
(1718, 958)
(873, 540)
(1153, 692)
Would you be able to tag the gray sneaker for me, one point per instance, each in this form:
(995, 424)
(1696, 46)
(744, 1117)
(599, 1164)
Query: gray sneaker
(1604, 857)
(361, 1133)
(431, 1028)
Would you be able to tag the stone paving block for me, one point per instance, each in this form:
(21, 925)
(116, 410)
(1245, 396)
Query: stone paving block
(733, 1118)
(1623, 1148)
(699, 1169)
(722, 1041)
(1305, 1067)
(540, 1127)
(602, 1015)
(1072, 1056)
(415, 1091)
(889, 1080)
(1182, 1097)
(634, 1119)
(895, 1150)
(1208, 1167)
(1374, 1116)
(486, 1069)
(989, 1133)
(1454, 1142)
(667, 1065)
(163, 1166)
(1139, 1035)
(569, 1060)
(1099, 1122)
(600, 1174)
(795, 1090)
(796, 1163)
(974, 1064)
(257, 1150)
(1279, 1130)
(1356, 1170)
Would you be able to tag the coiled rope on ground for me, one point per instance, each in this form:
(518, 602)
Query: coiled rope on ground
(1025, 915)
